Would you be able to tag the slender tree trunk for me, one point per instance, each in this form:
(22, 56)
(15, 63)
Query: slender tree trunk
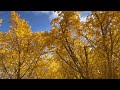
(87, 62)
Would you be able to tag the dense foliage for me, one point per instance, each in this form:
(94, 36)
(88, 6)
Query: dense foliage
(72, 49)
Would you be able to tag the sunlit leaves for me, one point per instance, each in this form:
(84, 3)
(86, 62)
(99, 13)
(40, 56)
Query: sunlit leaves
(71, 49)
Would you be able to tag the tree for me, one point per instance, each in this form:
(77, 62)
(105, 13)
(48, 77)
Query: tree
(70, 50)
(18, 62)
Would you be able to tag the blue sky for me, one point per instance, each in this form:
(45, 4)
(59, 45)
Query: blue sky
(39, 20)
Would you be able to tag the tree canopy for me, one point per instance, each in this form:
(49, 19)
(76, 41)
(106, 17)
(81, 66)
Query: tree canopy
(72, 49)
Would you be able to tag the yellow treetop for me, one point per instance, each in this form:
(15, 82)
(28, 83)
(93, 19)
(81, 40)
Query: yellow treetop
(20, 26)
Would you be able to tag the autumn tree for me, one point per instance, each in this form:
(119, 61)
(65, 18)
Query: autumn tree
(102, 28)
(89, 48)
(67, 42)
(18, 62)
(72, 49)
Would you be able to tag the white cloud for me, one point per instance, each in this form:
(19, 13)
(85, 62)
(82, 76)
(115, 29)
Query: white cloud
(83, 19)
(53, 15)
(44, 12)
(84, 15)
(41, 12)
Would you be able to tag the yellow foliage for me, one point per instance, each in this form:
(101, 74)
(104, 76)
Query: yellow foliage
(70, 50)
